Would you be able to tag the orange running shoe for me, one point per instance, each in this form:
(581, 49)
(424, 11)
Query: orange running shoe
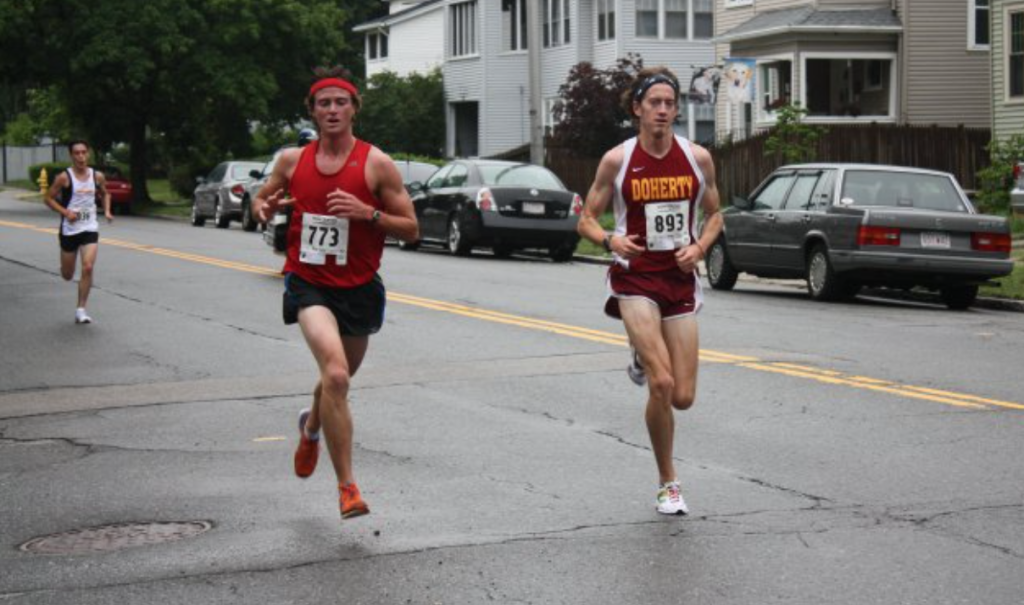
(308, 451)
(351, 501)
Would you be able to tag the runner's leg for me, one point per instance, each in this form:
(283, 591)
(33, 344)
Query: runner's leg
(88, 254)
(355, 350)
(321, 332)
(682, 338)
(643, 325)
(68, 261)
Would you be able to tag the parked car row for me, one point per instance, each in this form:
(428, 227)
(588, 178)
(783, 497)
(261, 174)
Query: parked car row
(840, 227)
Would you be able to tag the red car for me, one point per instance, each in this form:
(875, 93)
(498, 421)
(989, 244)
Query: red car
(120, 189)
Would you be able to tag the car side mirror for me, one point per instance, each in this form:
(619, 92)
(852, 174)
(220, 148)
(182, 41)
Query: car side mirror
(200, 180)
(416, 187)
(742, 203)
(255, 174)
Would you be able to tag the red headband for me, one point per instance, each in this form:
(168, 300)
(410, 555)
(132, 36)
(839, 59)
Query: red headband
(333, 83)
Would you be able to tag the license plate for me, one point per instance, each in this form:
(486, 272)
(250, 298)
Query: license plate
(931, 239)
(533, 208)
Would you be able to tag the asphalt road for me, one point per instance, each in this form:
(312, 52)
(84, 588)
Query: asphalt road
(865, 452)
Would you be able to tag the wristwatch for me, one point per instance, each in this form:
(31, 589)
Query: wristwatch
(375, 216)
(607, 243)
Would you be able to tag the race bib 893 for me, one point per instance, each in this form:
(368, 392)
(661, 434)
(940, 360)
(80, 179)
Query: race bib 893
(668, 225)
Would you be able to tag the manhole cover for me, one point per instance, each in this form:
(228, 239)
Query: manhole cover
(114, 537)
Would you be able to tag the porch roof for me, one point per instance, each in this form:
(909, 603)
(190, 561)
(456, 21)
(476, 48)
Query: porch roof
(387, 20)
(807, 20)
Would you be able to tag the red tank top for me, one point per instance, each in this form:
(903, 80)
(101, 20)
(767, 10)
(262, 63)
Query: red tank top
(645, 180)
(309, 187)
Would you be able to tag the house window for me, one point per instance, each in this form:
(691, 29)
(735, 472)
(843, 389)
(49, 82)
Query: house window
(735, 3)
(463, 29)
(703, 122)
(846, 88)
(776, 85)
(556, 22)
(977, 23)
(605, 19)
(675, 19)
(377, 46)
(513, 24)
(647, 18)
(548, 120)
(1015, 55)
(703, 19)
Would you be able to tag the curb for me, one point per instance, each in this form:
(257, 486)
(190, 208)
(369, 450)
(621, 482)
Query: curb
(983, 302)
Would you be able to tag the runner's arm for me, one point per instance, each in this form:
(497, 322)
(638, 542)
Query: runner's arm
(688, 257)
(598, 198)
(53, 192)
(269, 197)
(397, 217)
(101, 183)
(711, 202)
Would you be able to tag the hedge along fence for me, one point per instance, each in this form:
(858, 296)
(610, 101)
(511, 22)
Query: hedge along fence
(742, 165)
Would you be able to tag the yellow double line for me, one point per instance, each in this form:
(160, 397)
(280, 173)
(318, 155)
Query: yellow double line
(831, 377)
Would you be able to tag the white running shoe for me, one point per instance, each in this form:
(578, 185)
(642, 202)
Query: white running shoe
(81, 317)
(635, 370)
(670, 500)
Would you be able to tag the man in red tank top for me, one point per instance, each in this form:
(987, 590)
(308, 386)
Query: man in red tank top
(656, 183)
(346, 196)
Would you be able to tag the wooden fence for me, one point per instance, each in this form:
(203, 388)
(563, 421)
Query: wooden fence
(742, 165)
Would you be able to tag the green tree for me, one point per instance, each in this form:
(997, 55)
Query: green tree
(997, 177)
(45, 115)
(404, 114)
(790, 139)
(192, 74)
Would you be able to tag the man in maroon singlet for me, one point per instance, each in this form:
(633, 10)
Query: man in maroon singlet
(346, 196)
(656, 182)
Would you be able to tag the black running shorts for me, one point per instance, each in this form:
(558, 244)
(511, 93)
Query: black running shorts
(71, 243)
(359, 311)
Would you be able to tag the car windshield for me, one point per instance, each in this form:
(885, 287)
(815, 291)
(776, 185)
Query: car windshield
(519, 175)
(902, 190)
(240, 172)
(415, 171)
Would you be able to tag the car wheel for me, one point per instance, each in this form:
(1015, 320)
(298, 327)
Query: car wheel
(457, 243)
(959, 298)
(822, 282)
(222, 221)
(408, 246)
(197, 219)
(722, 274)
(248, 220)
(562, 253)
(503, 250)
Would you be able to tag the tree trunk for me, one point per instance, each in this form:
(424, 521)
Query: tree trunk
(139, 159)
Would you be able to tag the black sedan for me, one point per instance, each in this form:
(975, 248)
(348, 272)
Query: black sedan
(505, 206)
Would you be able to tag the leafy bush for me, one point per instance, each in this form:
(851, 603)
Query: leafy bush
(52, 168)
(997, 179)
(182, 178)
(791, 139)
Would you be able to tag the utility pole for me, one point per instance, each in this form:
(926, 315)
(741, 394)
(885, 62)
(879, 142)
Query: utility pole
(533, 42)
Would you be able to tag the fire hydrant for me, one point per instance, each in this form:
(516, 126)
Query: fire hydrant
(44, 182)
